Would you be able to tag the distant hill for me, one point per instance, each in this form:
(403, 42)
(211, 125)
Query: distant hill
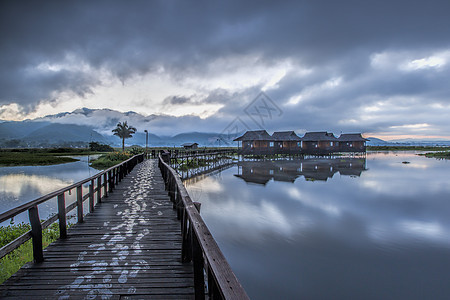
(376, 142)
(84, 125)
(18, 130)
(58, 133)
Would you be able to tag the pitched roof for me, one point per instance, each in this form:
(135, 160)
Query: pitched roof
(189, 144)
(351, 137)
(255, 135)
(318, 136)
(285, 136)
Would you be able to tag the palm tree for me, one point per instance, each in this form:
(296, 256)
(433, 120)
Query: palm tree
(124, 132)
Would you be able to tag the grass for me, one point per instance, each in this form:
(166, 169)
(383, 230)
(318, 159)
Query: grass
(39, 157)
(8, 159)
(406, 148)
(108, 160)
(12, 262)
(438, 155)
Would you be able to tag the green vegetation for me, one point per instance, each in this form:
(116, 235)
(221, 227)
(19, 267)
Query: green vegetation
(108, 160)
(40, 157)
(12, 262)
(438, 155)
(193, 164)
(406, 148)
(97, 147)
(200, 162)
(32, 159)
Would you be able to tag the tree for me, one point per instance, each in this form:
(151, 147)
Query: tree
(94, 146)
(124, 132)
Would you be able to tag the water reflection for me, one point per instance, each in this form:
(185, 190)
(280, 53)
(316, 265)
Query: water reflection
(19, 185)
(261, 172)
(380, 230)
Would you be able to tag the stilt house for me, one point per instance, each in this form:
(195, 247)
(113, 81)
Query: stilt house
(352, 142)
(256, 142)
(286, 142)
(319, 143)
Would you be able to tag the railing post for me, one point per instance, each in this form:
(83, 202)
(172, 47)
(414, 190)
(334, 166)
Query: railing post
(80, 204)
(36, 233)
(99, 189)
(213, 289)
(186, 245)
(199, 277)
(105, 185)
(91, 196)
(110, 184)
(62, 216)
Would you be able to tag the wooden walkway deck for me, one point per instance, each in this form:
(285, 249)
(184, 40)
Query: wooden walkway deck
(128, 248)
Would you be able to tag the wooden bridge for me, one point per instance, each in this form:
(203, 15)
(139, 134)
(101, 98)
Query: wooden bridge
(142, 239)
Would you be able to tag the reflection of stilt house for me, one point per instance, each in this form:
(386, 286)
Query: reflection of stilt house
(319, 143)
(261, 172)
(256, 142)
(286, 142)
(352, 142)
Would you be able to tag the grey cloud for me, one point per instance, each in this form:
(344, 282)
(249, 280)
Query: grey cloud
(332, 38)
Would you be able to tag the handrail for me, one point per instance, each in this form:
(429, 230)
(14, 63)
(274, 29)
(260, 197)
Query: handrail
(199, 245)
(106, 180)
(21, 208)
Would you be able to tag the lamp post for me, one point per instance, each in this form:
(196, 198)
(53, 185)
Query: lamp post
(146, 141)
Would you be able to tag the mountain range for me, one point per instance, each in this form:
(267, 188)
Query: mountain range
(78, 128)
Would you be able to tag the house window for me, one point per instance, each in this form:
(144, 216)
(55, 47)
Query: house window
(299, 144)
(315, 145)
(271, 172)
(271, 144)
(351, 145)
(331, 144)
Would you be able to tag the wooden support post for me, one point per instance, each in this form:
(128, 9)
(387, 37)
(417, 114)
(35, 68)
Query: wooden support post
(91, 196)
(62, 216)
(213, 289)
(105, 185)
(99, 189)
(186, 243)
(80, 204)
(199, 277)
(36, 233)
(110, 183)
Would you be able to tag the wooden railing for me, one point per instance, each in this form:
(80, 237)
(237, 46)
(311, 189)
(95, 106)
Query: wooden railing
(199, 245)
(105, 180)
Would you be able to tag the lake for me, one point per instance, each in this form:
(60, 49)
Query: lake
(22, 184)
(374, 228)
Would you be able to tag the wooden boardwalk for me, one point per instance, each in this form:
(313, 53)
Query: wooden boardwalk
(128, 248)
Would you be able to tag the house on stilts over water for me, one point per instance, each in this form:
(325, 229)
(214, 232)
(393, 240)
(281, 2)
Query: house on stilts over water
(259, 142)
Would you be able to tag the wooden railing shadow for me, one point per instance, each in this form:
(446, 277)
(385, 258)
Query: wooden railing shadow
(199, 245)
(105, 180)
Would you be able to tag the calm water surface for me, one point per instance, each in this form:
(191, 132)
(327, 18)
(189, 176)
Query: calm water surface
(342, 229)
(19, 185)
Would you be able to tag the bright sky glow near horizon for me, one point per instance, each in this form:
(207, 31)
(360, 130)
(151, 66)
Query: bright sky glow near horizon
(378, 67)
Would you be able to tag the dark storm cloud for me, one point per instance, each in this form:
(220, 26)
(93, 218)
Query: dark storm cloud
(335, 39)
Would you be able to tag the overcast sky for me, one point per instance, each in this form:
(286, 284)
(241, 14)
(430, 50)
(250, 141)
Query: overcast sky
(378, 67)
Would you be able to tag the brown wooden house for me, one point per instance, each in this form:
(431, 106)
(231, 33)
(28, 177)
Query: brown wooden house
(352, 142)
(286, 142)
(319, 143)
(190, 145)
(256, 142)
